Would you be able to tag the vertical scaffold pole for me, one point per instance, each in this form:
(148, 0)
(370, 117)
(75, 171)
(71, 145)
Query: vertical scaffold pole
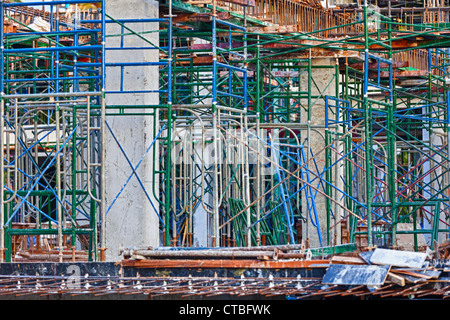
(246, 165)
(328, 172)
(169, 132)
(448, 138)
(59, 210)
(103, 140)
(2, 177)
(2, 135)
(258, 181)
(392, 148)
(216, 241)
(367, 129)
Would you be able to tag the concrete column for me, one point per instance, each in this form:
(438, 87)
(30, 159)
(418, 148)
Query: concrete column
(132, 219)
(323, 84)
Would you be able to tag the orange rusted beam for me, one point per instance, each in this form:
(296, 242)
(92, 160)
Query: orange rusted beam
(239, 264)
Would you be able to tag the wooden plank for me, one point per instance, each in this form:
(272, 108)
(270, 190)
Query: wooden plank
(346, 274)
(347, 260)
(411, 279)
(395, 278)
(425, 274)
(398, 258)
(230, 263)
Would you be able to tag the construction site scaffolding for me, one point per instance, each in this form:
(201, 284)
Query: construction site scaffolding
(261, 129)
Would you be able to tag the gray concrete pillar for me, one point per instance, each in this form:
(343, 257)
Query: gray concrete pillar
(131, 219)
(324, 83)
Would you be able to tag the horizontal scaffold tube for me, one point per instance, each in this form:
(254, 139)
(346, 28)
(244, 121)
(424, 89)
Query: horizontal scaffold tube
(207, 253)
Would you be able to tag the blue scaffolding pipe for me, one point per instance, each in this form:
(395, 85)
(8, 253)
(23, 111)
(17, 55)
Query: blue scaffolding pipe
(137, 91)
(49, 33)
(435, 120)
(214, 53)
(41, 175)
(47, 187)
(131, 20)
(339, 190)
(77, 69)
(134, 64)
(230, 95)
(133, 48)
(286, 209)
(134, 171)
(320, 177)
(227, 66)
(229, 24)
(170, 60)
(53, 3)
(26, 151)
(30, 204)
(299, 164)
(327, 98)
(398, 192)
(230, 52)
(275, 208)
(378, 85)
(282, 189)
(309, 195)
(31, 146)
(419, 178)
(50, 79)
(2, 49)
(53, 49)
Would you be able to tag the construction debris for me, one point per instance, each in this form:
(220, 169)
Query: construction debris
(343, 274)
(398, 258)
(351, 272)
(39, 25)
(385, 269)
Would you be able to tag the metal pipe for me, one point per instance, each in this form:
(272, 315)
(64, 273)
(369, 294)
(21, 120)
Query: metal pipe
(216, 254)
(58, 185)
(2, 175)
